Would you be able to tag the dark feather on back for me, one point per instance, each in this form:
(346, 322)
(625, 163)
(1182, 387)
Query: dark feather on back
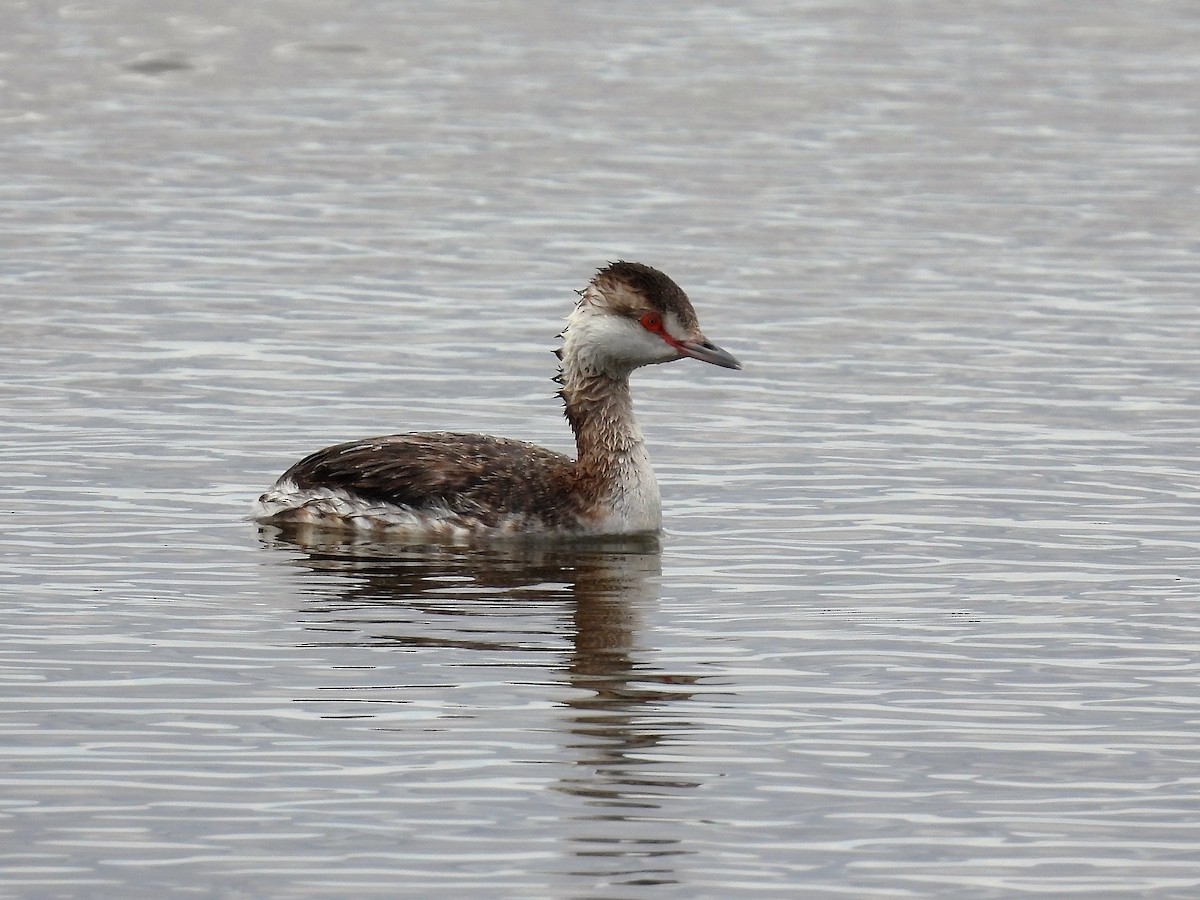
(475, 475)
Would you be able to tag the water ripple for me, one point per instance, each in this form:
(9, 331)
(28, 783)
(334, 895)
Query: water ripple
(922, 623)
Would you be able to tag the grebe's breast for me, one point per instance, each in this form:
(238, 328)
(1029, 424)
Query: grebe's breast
(439, 483)
(631, 502)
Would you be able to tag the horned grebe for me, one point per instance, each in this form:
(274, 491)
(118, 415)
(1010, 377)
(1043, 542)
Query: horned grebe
(462, 485)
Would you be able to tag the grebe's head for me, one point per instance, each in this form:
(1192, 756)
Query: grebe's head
(631, 315)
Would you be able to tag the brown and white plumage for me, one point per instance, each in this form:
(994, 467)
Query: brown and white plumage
(459, 485)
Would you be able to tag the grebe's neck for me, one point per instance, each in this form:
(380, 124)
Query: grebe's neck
(600, 410)
(612, 468)
(595, 383)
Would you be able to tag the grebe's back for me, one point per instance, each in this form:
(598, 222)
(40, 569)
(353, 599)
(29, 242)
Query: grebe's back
(459, 485)
(435, 482)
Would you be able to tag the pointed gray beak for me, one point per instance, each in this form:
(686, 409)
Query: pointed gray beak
(706, 351)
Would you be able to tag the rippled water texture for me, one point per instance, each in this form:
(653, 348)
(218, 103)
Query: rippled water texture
(923, 622)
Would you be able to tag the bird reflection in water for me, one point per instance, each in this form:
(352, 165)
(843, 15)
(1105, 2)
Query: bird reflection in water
(492, 601)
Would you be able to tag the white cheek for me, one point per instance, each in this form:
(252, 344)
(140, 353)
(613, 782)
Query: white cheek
(631, 342)
(613, 343)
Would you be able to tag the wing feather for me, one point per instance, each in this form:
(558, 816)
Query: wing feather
(471, 474)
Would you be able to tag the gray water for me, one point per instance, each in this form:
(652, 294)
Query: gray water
(923, 621)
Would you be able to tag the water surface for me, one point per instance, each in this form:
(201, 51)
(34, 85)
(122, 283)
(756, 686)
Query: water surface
(922, 622)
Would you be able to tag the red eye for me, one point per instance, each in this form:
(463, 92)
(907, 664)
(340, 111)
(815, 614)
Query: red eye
(651, 322)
